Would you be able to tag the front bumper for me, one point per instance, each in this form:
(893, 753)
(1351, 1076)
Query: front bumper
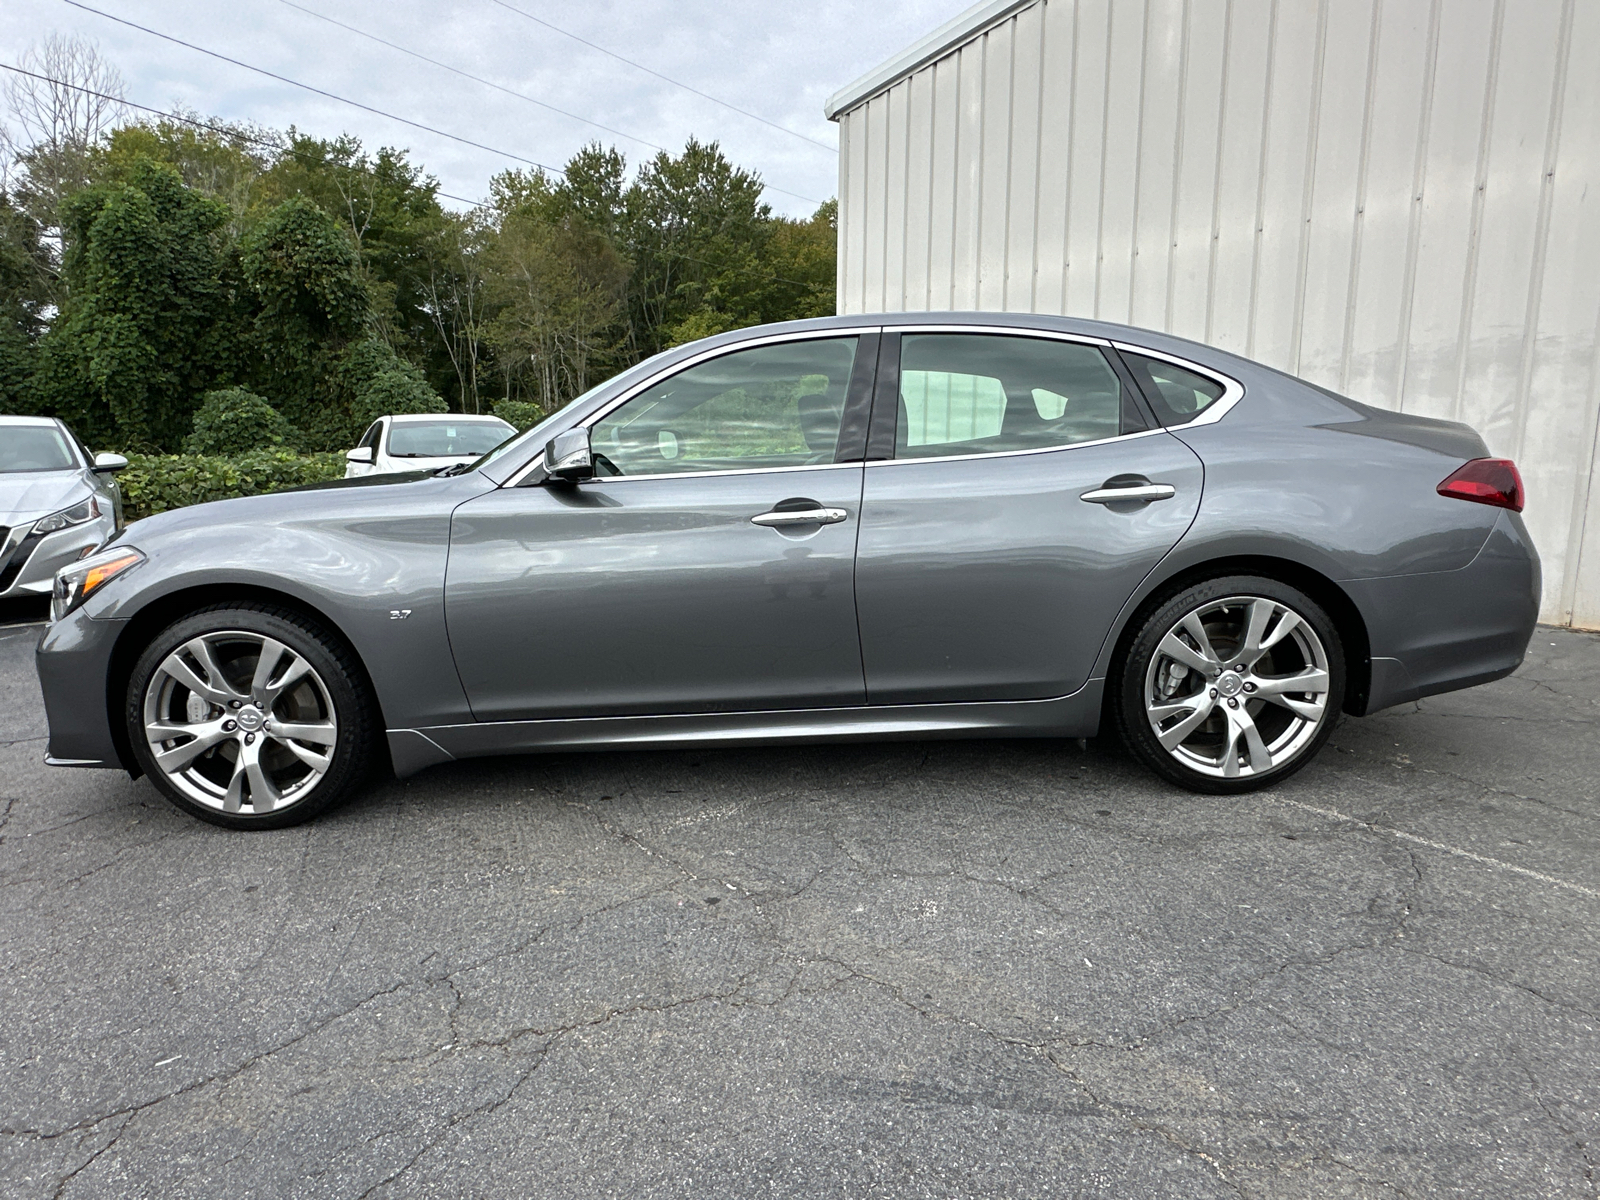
(28, 562)
(74, 663)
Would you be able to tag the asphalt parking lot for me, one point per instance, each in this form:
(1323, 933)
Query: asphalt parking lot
(900, 970)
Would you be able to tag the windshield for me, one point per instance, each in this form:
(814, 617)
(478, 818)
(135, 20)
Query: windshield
(445, 439)
(34, 448)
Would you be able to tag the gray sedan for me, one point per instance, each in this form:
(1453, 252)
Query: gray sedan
(57, 502)
(916, 525)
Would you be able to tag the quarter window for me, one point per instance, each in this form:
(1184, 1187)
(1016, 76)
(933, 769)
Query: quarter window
(983, 394)
(777, 405)
(1177, 395)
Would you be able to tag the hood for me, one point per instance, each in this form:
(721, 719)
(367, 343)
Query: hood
(29, 495)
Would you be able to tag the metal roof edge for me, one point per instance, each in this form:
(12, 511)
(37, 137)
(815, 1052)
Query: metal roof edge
(947, 37)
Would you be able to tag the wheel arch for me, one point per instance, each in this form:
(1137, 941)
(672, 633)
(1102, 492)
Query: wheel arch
(1335, 601)
(174, 606)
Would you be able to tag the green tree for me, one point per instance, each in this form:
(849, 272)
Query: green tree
(147, 326)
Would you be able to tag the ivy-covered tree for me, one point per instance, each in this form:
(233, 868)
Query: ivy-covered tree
(147, 326)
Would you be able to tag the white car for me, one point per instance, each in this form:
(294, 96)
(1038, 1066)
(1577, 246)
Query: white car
(423, 441)
(58, 502)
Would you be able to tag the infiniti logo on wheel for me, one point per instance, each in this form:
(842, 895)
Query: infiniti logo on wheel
(250, 719)
(1230, 684)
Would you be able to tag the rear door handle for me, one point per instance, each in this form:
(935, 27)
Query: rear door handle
(803, 516)
(1121, 495)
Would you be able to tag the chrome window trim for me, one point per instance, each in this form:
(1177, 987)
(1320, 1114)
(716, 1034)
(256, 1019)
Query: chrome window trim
(1087, 339)
(807, 335)
(1232, 389)
(1065, 446)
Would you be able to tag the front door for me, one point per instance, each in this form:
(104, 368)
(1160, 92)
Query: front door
(707, 568)
(988, 567)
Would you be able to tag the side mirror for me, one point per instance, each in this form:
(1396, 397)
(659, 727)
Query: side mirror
(361, 454)
(107, 463)
(567, 456)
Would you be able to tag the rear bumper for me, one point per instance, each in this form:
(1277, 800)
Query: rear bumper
(74, 661)
(1446, 630)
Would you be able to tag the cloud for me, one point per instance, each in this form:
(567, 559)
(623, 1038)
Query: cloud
(780, 60)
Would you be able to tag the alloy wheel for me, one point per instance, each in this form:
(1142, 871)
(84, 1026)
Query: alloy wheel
(1237, 687)
(238, 720)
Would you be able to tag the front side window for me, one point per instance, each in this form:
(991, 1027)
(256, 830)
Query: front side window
(970, 393)
(445, 439)
(35, 448)
(1177, 395)
(769, 406)
(370, 437)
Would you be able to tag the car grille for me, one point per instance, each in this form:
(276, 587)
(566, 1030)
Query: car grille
(11, 563)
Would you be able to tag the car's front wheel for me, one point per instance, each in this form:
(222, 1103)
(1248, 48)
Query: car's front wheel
(250, 716)
(1231, 685)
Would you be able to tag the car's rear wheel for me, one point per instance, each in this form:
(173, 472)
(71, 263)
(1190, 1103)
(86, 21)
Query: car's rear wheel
(250, 717)
(1231, 685)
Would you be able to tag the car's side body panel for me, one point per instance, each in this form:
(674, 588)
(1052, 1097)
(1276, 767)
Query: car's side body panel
(656, 594)
(368, 554)
(991, 579)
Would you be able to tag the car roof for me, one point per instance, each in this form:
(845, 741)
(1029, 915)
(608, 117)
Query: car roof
(9, 419)
(467, 418)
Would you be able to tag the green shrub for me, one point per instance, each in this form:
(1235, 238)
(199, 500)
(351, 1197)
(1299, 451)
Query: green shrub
(234, 421)
(521, 415)
(396, 391)
(154, 483)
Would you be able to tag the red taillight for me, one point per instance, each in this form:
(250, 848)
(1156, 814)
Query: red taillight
(1486, 481)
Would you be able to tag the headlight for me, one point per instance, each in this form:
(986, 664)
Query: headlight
(82, 579)
(76, 515)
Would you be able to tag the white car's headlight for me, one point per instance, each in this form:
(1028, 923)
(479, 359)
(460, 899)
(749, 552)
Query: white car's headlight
(82, 579)
(88, 510)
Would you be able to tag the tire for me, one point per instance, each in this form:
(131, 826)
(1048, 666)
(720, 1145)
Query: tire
(231, 759)
(1185, 711)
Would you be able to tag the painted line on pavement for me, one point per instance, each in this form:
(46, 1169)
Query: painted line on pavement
(1457, 851)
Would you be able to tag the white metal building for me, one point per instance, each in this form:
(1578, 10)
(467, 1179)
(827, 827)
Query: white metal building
(1396, 199)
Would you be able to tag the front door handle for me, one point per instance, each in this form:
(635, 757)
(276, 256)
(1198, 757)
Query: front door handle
(781, 518)
(1139, 492)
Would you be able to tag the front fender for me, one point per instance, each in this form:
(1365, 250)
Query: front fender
(370, 561)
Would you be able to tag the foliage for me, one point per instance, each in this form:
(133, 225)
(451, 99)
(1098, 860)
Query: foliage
(234, 421)
(154, 483)
(147, 263)
(520, 414)
(147, 325)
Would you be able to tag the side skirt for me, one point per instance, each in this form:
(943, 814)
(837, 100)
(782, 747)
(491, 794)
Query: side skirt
(1076, 715)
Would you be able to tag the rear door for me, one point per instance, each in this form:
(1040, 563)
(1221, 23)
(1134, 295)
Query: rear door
(995, 551)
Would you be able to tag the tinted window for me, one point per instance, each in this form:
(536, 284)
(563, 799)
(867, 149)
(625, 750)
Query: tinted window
(1176, 394)
(769, 406)
(35, 448)
(967, 393)
(370, 437)
(445, 439)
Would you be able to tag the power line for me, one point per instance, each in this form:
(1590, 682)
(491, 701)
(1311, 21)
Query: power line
(675, 83)
(508, 91)
(307, 87)
(468, 75)
(210, 127)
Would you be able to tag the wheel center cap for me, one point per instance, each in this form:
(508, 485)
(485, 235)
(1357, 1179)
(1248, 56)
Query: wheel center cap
(1230, 684)
(251, 718)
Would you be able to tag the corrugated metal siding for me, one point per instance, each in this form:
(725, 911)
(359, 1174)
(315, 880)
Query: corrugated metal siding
(1397, 199)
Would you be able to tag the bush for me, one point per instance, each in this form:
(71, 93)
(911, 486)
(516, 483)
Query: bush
(398, 391)
(521, 415)
(235, 421)
(155, 483)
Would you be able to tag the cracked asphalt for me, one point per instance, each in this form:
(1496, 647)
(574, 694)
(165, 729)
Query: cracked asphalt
(901, 970)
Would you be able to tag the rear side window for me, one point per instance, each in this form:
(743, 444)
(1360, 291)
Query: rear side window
(1177, 395)
(969, 393)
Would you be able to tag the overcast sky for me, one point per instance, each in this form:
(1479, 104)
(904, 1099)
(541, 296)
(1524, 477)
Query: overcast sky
(777, 59)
